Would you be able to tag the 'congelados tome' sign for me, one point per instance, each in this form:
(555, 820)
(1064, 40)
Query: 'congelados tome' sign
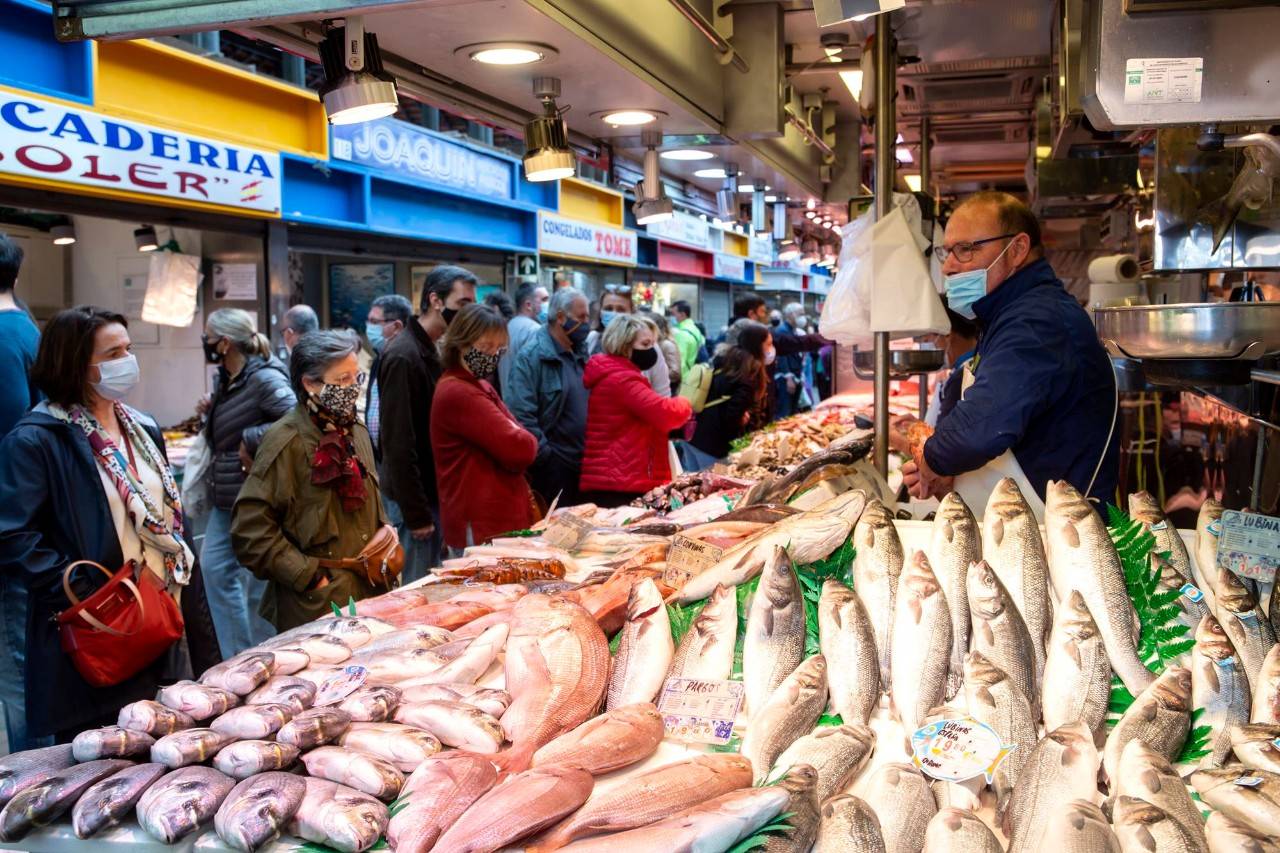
(560, 236)
(54, 142)
(417, 154)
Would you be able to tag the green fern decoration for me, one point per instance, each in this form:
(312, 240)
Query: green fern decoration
(682, 617)
(829, 720)
(838, 566)
(1197, 745)
(759, 838)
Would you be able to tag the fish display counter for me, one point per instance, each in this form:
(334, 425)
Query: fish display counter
(758, 667)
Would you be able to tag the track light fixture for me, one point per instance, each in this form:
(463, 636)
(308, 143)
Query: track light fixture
(727, 195)
(145, 239)
(781, 227)
(759, 216)
(547, 156)
(356, 88)
(652, 204)
(63, 234)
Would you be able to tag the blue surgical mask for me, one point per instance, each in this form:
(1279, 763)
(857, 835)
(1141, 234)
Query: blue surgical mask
(373, 331)
(966, 288)
(607, 317)
(542, 315)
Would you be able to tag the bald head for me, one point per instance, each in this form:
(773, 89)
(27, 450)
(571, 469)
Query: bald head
(1007, 213)
(992, 231)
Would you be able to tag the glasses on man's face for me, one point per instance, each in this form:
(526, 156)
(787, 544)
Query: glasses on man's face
(965, 251)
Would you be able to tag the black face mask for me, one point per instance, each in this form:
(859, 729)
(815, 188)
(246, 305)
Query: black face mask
(448, 314)
(644, 358)
(211, 354)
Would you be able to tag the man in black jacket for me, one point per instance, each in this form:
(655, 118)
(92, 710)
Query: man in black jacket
(389, 315)
(407, 375)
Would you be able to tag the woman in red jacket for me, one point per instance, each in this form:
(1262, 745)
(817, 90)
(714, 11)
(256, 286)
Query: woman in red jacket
(481, 451)
(627, 422)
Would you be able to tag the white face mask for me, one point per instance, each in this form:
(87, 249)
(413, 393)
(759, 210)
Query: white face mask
(119, 376)
(770, 356)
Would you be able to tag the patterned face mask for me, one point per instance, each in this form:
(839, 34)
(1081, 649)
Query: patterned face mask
(481, 364)
(339, 401)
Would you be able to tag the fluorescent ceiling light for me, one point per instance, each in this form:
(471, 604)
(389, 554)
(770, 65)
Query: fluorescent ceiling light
(507, 52)
(709, 173)
(356, 88)
(853, 82)
(904, 155)
(913, 181)
(830, 12)
(750, 188)
(687, 154)
(628, 118)
(770, 199)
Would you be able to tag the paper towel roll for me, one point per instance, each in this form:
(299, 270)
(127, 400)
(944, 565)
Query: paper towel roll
(1111, 268)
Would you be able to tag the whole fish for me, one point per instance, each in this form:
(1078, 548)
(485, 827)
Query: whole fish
(358, 770)
(616, 739)
(152, 718)
(1233, 791)
(1190, 610)
(355, 631)
(1062, 767)
(902, 800)
(1079, 827)
(847, 505)
(706, 651)
(1266, 693)
(1160, 717)
(258, 809)
(995, 700)
(189, 746)
(253, 722)
(1219, 686)
(288, 661)
(403, 747)
(1257, 746)
(110, 742)
(109, 801)
(1227, 835)
(716, 824)
(955, 545)
(454, 724)
(645, 651)
(650, 797)
(45, 802)
(1245, 624)
(790, 712)
(1141, 826)
(801, 783)
(1012, 545)
(775, 631)
(242, 674)
(958, 831)
(21, 770)
(314, 727)
(404, 639)
(526, 803)
(1144, 507)
(245, 758)
(1077, 671)
(847, 639)
(836, 753)
(1148, 776)
(399, 666)
(321, 649)
(999, 632)
(198, 701)
(921, 644)
(848, 825)
(1082, 557)
(371, 704)
(298, 693)
(492, 702)
(339, 817)
(877, 565)
(557, 669)
(181, 801)
(474, 660)
(1205, 567)
(435, 796)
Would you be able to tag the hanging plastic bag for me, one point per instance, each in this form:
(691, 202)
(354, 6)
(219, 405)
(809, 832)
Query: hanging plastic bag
(846, 316)
(904, 300)
(172, 284)
(197, 478)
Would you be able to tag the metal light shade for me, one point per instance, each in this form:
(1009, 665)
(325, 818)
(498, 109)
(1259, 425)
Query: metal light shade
(652, 203)
(781, 227)
(145, 239)
(352, 95)
(759, 216)
(547, 153)
(63, 235)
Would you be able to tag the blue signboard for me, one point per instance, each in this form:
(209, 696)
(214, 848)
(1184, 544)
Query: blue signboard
(420, 155)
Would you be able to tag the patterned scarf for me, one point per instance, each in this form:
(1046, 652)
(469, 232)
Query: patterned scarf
(148, 519)
(335, 463)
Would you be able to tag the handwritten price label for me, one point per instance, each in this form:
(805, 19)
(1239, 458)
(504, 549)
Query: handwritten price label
(1249, 545)
(688, 557)
(567, 531)
(697, 711)
(956, 750)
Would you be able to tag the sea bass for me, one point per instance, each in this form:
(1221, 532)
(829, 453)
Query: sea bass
(109, 801)
(847, 639)
(1208, 528)
(246, 758)
(339, 817)
(526, 803)
(1257, 746)
(1141, 826)
(902, 800)
(1148, 776)
(1255, 804)
(848, 825)
(775, 631)
(999, 632)
(800, 781)
(181, 801)
(1190, 610)
(1144, 507)
(954, 546)
(150, 717)
(611, 741)
(836, 753)
(1082, 557)
(1062, 767)
(995, 700)
(706, 651)
(198, 701)
(958, 831)
(189, 746)
(435, 796)
(1245, 624)
(403, 747)
(298, 693)
(1266, 693)
(45, 802)
(645, 651)
(110, 742)
(1080, 827)
(492, 702)
(1012, 545)
(877, 565)
(1077, 671)
(454, 724)
(1160, 717)
(788, 713)
(258, 809)
(921, 644)
(1219, 686)
(1227, 835)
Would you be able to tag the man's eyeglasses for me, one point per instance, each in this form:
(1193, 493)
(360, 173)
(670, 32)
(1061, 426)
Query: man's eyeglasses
(964, 252)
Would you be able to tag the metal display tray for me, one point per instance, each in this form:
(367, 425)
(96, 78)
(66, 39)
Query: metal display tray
(1222, 330)
(903, 363)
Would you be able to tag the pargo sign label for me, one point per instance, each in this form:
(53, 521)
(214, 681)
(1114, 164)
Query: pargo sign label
(560, 236)
(46, 140)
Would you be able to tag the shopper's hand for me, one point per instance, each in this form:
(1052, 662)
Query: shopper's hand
(422, 534)
(202, 405)
(246, 458)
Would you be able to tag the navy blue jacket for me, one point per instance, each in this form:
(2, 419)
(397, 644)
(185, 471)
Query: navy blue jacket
(1044, 388)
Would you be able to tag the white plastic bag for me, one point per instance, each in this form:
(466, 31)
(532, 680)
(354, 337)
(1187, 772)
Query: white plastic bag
(846, 316)
(172, 284)
(197, 478)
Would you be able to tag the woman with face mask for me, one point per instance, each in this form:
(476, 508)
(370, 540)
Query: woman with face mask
(481, 450)
(627, 421)
(311, 503)
(83, 476)
(738, 400)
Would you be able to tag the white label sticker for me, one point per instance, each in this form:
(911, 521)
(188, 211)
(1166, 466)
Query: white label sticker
(340, 685)
(567, 531)
(1249, 781)
(688, 557)
(1191, 592)
(1159, 525)
(698, 711)
(956, 750)
(1215, 527)
(1276, 743)
(1163, 81)
(1250, 545)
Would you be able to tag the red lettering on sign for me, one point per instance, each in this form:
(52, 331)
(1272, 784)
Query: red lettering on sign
(94, 172)
(24, 157)
(139, 172)
(192, 181)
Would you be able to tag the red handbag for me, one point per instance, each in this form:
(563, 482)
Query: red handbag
(122, 628)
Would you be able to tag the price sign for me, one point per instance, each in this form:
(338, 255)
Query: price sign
(567, 531)
(340, 685)
(1249, 545)
(698, 711)
(956, 750)
(688, 557)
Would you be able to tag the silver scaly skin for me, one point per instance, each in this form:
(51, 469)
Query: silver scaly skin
(999, 632)
(955, 545)
(901, 798)
(1145, 508)
(957, 831)
(644, 655)
(1245, 624)
(1254, 805)
(180, 802)
(801, 783)
(1226, 835)
(258, 809)
(1219, 686)
(1160, 717)
(789, 713)
(1012, 544)
(1080, 827)
(921, 644)
(846, 637)
(775, 632)
(1147, 775)
(1062, 767)
(877, 565)
(837, 753)
(1205, 567)
(47, 801)
(848, 825)
(995, 700)
(1255, 746)
(108, 802)
(1077, 671)
(706, 651)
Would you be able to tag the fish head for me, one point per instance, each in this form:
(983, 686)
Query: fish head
(987, 596)
(812, 674)
(1211, 510)
(980, 670)
(1173, 689)
(1212, 640)
(1233, 594)
(641, 714)
(1206, 780)
(1144, 507)
(800, 779)
(643, 601)
(918, 579)
(778, 580)
(1076, 739)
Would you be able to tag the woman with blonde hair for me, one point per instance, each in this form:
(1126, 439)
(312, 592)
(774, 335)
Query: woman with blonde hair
(251, 393)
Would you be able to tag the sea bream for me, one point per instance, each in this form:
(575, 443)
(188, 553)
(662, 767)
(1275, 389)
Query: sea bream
(645, 651)
(258, 809)
(359, 770)
(189, 746)
(45, 802)
(921, 644)
(1160, 717)
(455, 724)
(848, 825)
(373, 703)
(847, 639)
(314, 727)
(181, 801)
(253, 722)
(110, 742)
(150, 717)
(1062, 767)
(877, 565)
(242, 674)
(954, 546)
(403, 747)
(1219, 686)
(198, 701)
(775, 631)
(616, 739)
(111, 800)
(789, 712)
(298, 693)
(246, 758)
(1077, 671)
(706, 650)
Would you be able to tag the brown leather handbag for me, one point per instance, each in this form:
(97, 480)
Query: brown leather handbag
(380, 562)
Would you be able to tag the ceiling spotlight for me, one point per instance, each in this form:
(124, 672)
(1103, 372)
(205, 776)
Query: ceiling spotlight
(145, 239)
(913, 182)
(547, 156)
(628, 118)
(833, 44)
(811, 214)
(726, 197)
(750, 188)
(830, 12)
(687, 154)
(811, 204)
(63, 235)
(709, 173)
(652, 204)
(355, 87)
(507, 52)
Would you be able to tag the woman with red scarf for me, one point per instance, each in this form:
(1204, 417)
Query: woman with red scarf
(311, 501)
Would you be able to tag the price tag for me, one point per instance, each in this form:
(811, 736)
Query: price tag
(696, 711)
(956, 750)
(1249, 781)
(1250, 545)
(1192, 592)
(340, 685)
(567, 531)
(688, 557)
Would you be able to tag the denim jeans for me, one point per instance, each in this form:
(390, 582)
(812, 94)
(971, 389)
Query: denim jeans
(13, 644)
(234, 593)
(419, 557)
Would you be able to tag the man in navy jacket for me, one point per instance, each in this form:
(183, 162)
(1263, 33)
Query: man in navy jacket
(1043, 385)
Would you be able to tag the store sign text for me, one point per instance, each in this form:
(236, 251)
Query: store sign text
(43, 139)
(731, 267)
(760, 250)
(560, 236)
(417, 154)
(684, 228)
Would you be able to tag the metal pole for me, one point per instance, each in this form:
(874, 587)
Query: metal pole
(886, 159)
(926, 154)
(923, 379)
(1255, 497)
